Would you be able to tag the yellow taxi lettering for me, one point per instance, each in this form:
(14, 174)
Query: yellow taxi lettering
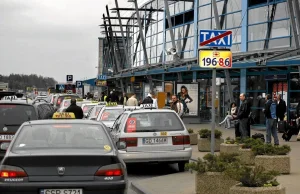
(163, 133)
(111, 104)
(64, 115)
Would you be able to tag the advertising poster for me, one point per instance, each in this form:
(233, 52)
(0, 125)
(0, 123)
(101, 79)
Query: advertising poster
(188, 93)
(131, 125)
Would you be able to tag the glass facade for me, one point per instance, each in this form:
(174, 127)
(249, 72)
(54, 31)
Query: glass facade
(187, 22)
(255, 25)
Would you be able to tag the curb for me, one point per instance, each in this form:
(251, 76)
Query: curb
(135, 187)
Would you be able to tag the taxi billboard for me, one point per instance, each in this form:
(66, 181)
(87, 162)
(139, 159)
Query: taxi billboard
(215, 59)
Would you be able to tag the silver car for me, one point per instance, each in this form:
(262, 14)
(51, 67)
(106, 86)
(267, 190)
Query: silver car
(155, 135)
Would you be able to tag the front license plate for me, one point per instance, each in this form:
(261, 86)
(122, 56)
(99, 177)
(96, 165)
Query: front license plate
(61, 191)
(158, 140)
(6, 137)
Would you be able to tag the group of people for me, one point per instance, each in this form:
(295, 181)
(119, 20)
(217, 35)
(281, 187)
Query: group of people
(274, 110)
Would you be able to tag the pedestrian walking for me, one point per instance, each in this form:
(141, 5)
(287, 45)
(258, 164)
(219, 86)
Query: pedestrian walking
(243, 116)
(132, 101)
(75, 109)
(177, 106)
(281, 108)
(271, 120)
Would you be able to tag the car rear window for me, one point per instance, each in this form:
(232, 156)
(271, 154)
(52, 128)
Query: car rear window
(16, 114)
(111, 114)
(87, 108)
(58, 136)
(152, 122)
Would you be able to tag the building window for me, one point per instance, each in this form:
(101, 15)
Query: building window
(258, 15)
(180, 19)
(258, 2)
(257, 32)
(205, 12)
(279, 43)
(233, 20)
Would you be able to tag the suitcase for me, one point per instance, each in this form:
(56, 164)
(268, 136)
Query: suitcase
(282, 126)
(290, 131)
(259, 136)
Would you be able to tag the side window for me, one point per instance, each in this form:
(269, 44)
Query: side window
(122, 122)
(40, 112)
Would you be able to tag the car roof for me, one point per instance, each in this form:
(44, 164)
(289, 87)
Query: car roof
(18, 101)
(149, 110)
(62, 121)
(113, 107)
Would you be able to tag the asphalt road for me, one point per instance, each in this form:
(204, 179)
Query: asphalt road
(144, 171)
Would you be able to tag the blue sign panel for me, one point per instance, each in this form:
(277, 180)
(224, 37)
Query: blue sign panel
(78, 84)
(69, 78)
(61, 87)
(216, 38)
(102, 77)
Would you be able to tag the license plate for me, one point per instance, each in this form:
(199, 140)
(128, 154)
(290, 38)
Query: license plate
(6, 137)
(61, 191)
(158, 140)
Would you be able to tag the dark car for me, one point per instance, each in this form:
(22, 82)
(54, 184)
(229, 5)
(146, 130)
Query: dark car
(62, 157)
(60, 97)
(13, 113)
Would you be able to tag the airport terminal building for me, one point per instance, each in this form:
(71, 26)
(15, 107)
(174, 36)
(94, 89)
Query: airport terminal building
(156, 48)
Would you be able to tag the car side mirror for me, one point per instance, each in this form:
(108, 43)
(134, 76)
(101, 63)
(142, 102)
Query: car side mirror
(4, 146)
(121, 145)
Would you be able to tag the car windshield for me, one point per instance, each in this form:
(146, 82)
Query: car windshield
(111, 114)
(153, 121)
(58, 136)
(16, 114)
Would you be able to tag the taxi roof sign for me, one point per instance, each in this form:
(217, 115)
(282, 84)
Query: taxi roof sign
(111, 104)
(63, 115)
(147, 106)
(102, 103)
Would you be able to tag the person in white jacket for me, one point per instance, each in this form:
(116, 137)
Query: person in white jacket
(155, 105)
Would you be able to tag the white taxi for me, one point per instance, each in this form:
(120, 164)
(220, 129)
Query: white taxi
(152, 135)
(67, 102)
(87, 106)
(110, 113)
(93, 114)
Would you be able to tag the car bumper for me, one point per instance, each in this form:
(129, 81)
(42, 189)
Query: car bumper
(158, 156)
(117, 187)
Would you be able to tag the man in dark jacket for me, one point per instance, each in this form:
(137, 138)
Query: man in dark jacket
(123, 99)
(148, 99)
(271, 118)
(75, 109)
(281, 108)
(243, 116)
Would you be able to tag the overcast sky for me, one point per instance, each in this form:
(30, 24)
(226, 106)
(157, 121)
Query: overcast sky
(51, 37)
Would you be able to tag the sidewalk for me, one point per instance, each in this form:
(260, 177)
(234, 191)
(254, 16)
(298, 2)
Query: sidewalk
(184, 183)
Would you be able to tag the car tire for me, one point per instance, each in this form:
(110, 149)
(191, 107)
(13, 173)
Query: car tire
(181, 166)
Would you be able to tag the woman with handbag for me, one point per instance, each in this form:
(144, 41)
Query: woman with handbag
(231, 116)
(184, 98)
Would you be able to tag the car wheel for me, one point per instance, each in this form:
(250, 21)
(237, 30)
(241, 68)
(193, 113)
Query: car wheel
(181, 166)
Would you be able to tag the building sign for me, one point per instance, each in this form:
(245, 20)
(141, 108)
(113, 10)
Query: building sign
(101, 83)
(215, 58)
(190, 99)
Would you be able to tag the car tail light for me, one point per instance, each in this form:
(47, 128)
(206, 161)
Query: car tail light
(130, 141)
(110, 170)
(181, 140)
(11, 172)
